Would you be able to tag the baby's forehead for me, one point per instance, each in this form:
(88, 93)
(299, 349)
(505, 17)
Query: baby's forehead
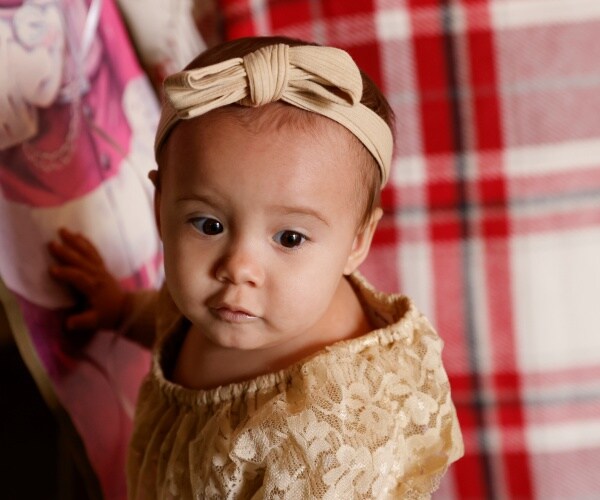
(279, 115)
(218, 132)
(302, 128)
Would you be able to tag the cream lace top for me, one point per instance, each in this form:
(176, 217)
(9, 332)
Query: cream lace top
(369, 417)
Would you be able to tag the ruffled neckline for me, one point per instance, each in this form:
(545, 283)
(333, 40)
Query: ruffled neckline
(394, 315)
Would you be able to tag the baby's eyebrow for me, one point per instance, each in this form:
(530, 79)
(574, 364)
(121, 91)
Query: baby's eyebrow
(301, 210)
(205, 198)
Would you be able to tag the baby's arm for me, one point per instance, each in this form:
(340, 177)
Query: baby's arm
(81, 268)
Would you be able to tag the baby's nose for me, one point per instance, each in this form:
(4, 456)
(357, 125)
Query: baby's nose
(241, 265)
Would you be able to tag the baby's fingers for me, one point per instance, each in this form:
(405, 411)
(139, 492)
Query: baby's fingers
(69, 256)
(75, 278)
(81, 244)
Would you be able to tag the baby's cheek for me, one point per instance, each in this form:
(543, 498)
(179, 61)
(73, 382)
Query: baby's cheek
(181, 279)
(306, 302)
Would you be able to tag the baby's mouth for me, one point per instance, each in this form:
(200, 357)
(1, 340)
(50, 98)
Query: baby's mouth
(232, 314)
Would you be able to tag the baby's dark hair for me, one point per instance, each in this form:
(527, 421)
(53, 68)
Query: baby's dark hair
(372, 98)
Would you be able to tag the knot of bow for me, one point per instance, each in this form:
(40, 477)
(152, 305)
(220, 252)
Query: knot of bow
(272, 73)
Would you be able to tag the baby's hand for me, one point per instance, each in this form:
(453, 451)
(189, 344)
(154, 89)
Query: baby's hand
(81, 268)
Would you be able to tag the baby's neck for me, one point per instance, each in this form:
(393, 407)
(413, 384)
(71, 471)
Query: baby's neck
(204, 365)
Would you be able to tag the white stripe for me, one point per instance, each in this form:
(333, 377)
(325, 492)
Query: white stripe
(396, 23)
(526, 161)
(409, 170)
(512, 14)
(259, 14)
(414, 263)
(556, 285)
(549, 158)
(552, 438)
(480, 287)
(392, 24)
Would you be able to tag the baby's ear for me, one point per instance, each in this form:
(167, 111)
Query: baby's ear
(362, 242)
(153, 176)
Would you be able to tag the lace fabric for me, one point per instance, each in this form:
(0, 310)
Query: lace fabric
(369, 417)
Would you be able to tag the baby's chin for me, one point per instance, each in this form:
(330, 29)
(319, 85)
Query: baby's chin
(243, 336)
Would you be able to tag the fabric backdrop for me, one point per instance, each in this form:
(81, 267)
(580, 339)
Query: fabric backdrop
(492, 216)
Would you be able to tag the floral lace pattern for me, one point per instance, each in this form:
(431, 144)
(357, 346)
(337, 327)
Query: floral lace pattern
(366, 418)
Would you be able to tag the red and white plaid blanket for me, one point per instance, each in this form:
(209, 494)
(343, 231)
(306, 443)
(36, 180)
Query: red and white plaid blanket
(493, 214)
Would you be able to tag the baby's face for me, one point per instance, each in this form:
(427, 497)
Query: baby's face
(258, 227)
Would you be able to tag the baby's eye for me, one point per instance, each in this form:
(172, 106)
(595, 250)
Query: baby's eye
(207, 226)
(289, 239)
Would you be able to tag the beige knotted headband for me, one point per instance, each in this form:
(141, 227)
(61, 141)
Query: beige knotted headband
(324, 80)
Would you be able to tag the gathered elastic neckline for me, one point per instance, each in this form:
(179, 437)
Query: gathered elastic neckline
(396, 314)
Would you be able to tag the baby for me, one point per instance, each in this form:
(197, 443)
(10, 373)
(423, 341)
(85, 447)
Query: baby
(278, 372)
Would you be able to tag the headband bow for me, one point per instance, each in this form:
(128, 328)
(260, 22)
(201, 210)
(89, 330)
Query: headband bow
(324, 80)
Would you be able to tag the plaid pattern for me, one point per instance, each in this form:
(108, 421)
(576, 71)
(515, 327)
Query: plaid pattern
(492, 215)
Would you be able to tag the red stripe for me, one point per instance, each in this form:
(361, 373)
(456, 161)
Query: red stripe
(333, 9)
(280, 13)
(435, 109)
(438, 144)
(437, 138)
(576, 218)
(488, 136)
(572, 180)
(468, 471)
(571, 375)
(562, 412)
(367, 57)
(239, 19)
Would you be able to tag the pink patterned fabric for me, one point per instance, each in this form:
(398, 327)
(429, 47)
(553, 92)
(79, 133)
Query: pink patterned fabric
(492, 216)
(78, 119)
(93, 97)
